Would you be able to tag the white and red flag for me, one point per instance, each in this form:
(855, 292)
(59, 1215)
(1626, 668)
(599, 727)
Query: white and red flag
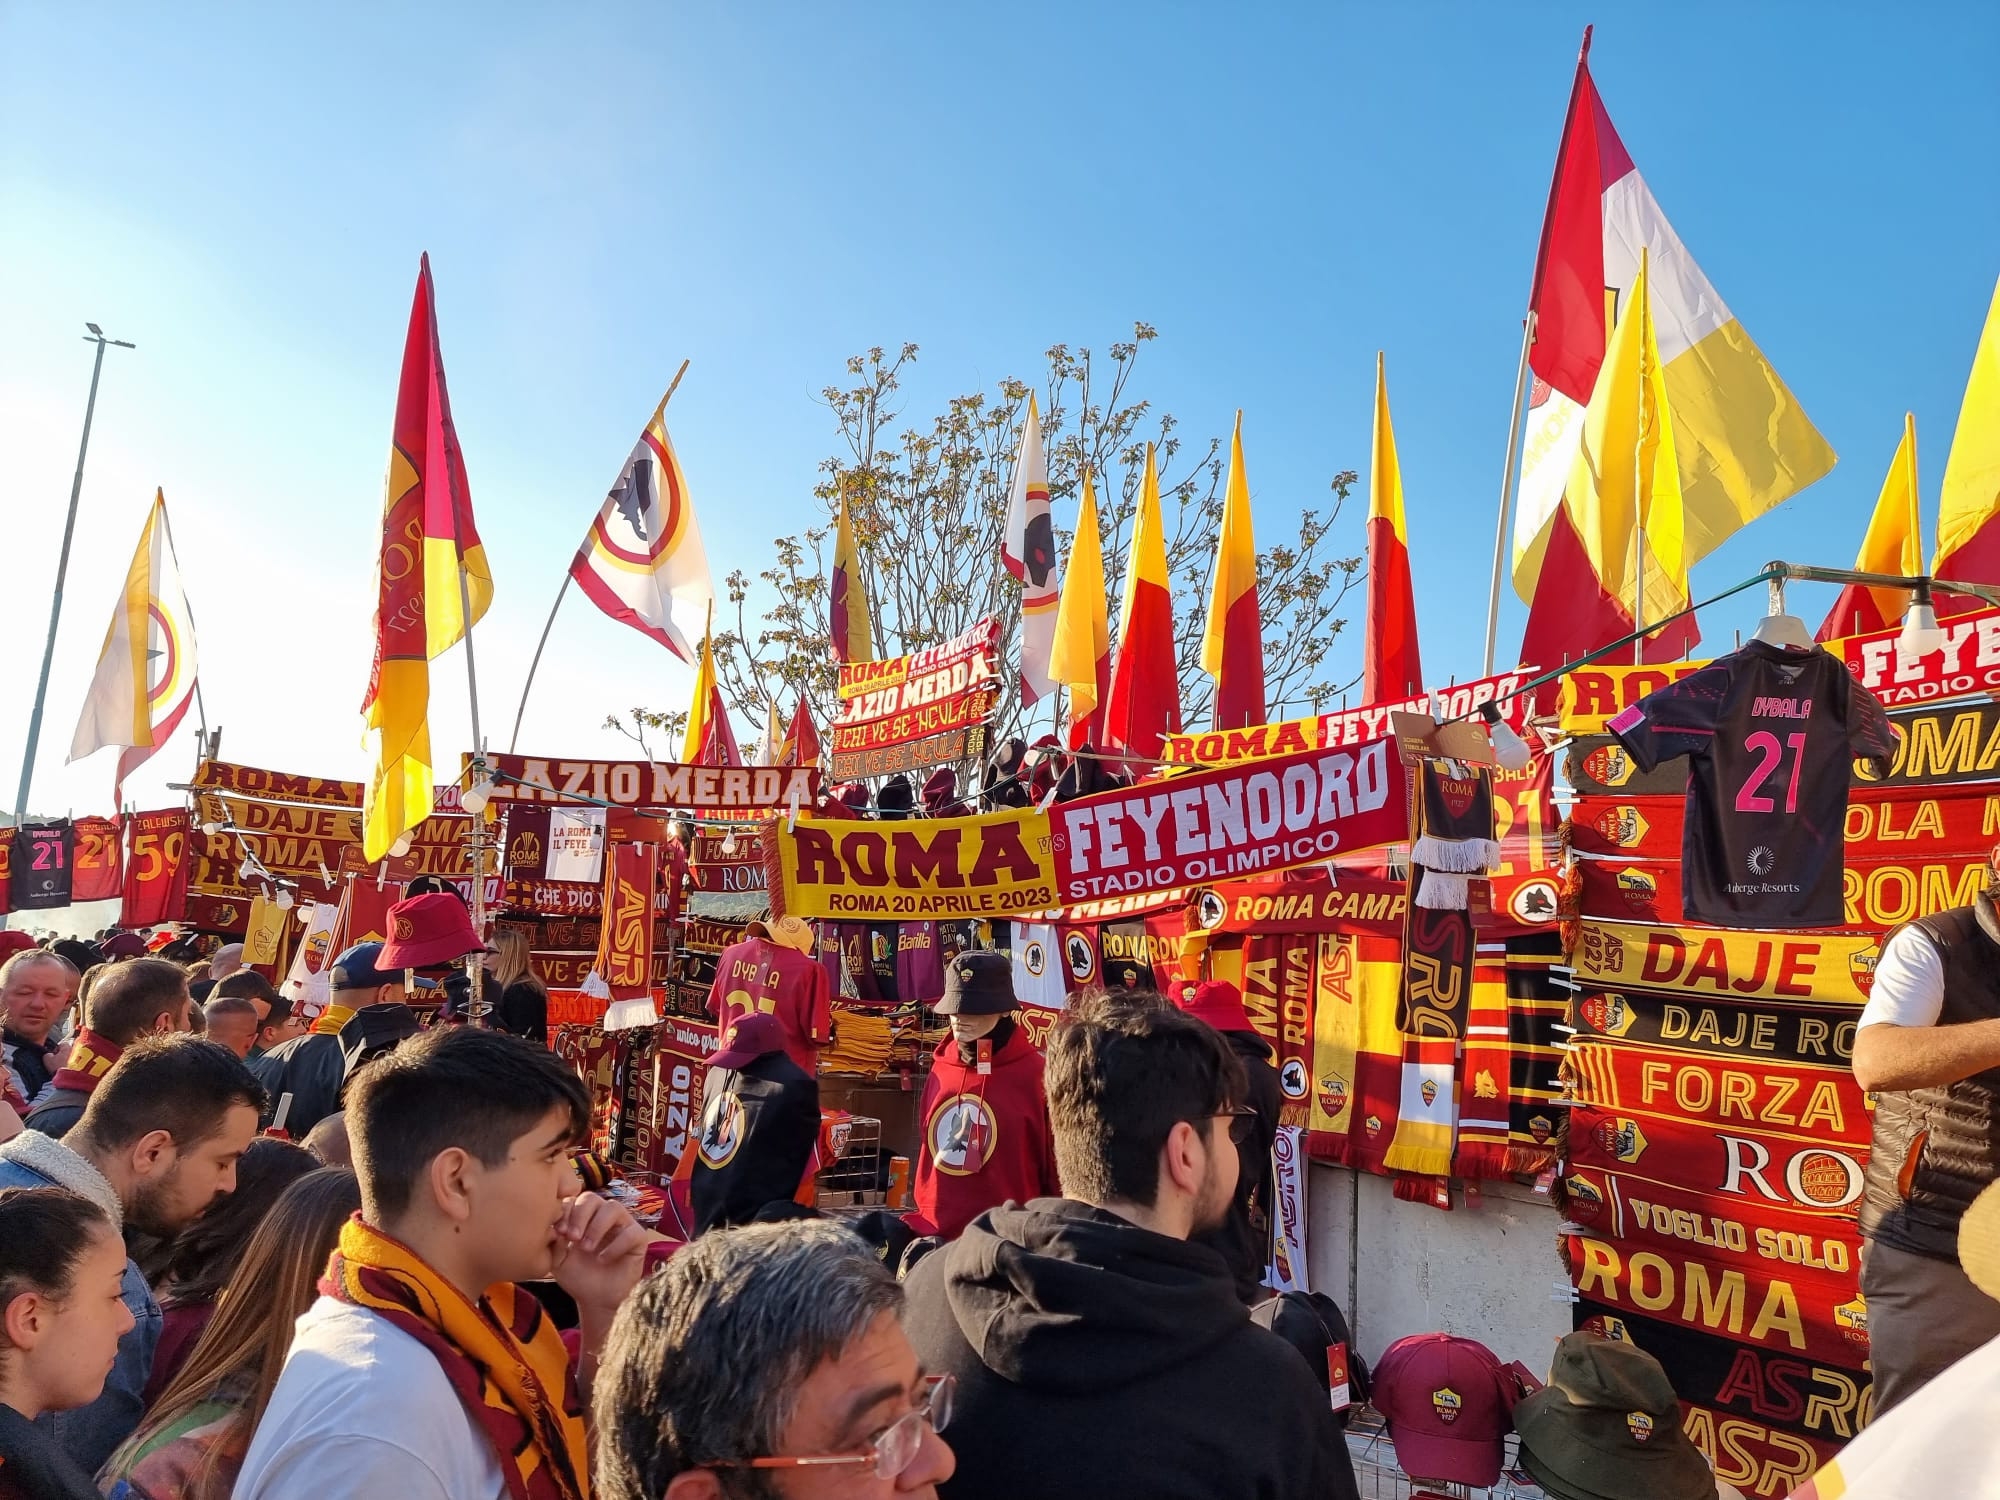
(146, 674)
(642, 561)
(1029, 553)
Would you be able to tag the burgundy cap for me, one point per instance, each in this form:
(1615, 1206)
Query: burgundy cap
(750, 1036)
(426, 931)
(1449, 1403)
(124, 945)
(12, 942)
(1219, 1003)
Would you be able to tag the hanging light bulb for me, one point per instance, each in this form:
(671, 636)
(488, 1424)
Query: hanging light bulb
(402, 845)
(1509, 749)
(1921, 634)
(211, 828)
(479, 793)
(304, 912)
(678, 830)
(283, 900)
(245, 870)
(729, 845)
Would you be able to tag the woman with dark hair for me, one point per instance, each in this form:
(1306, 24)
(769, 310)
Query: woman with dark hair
(62, 1314)
(202, 1259)
(192, 1442)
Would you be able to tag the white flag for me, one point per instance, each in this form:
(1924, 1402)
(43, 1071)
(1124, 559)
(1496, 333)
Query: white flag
(1029, 551)
(146, 674)
(642, 561)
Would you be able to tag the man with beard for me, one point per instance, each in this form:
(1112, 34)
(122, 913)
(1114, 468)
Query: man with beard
(1244, 1237)
(1096, 1351)
(157, 1144)
(120, 1005)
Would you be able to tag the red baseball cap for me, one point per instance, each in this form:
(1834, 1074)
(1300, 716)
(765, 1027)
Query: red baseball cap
(427, 931)
(12, 942)
(1449, 1403)
(1219, 1003)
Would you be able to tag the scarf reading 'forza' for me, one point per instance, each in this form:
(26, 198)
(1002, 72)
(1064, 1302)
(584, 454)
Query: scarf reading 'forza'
(502, 1356)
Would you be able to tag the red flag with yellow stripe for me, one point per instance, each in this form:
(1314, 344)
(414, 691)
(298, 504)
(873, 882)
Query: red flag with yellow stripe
(1232, 647)
(428, 537)
(1391, 669)
(1145, 705)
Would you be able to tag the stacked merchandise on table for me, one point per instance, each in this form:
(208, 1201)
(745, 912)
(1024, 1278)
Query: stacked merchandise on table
(1714, 1155)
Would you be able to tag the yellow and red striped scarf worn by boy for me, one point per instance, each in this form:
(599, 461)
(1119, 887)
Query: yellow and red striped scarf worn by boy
(501, 1354)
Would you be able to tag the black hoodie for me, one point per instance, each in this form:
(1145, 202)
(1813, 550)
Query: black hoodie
(1095, 1358)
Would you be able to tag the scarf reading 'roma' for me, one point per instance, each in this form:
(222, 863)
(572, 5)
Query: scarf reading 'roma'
(502, 1356)
(1431, 1014)
(90, 1058)
(1454, 831)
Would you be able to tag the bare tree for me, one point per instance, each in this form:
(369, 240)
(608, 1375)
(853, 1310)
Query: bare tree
(929, 509)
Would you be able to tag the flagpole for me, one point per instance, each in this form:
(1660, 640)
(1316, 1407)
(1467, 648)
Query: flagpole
(62, 572)
(515, 738)
(1500, 539)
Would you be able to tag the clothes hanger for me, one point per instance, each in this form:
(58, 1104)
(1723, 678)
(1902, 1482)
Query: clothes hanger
(1781, 629)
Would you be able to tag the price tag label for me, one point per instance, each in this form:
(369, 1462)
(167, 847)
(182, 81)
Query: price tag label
(1336, 1377)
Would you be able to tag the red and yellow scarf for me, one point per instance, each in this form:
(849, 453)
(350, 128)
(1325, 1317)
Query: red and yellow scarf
(90, 1058)
(502, 1356)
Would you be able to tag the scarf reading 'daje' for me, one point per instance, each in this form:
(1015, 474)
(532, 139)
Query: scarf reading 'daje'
(90, 1058)
(502, 1356)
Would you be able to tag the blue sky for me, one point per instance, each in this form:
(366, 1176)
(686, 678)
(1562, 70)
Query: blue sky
(244, 193)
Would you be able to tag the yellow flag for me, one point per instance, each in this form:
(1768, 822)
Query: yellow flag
(847, 619)
(1895, 539)
(1232, 644)
(1080, 654)
(1625, 475)
(1968, 545)
(698, 725)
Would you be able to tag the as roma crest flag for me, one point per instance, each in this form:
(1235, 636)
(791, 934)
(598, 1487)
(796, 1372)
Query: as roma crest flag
(146, 674)
(429, 543)
(643, 561)
(1029, 553)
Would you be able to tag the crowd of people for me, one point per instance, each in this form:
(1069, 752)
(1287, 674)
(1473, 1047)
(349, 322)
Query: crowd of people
(429, 1295)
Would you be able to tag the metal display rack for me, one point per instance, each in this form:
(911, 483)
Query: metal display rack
(1377, 1477)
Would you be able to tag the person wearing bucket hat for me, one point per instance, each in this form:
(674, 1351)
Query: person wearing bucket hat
(985, 1118)
(774, 970)
(759, 1122)
(430, 931)
(1244, 1238)
(312, 1068)
(1607, 1426)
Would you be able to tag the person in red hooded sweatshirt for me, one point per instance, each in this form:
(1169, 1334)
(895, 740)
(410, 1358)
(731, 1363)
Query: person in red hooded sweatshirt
(986, 1137)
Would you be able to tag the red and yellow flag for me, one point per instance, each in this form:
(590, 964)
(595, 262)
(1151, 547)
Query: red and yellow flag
(1894, 544)
(428, 540)
(1744, 443)
(847, 597)
(1232, 646)
(800, 746)
(1390, 668)
(1144, 706)
(1968, 544)
(1080, 653)
(710, 739)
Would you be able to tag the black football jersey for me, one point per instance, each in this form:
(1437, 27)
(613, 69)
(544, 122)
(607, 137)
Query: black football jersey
(1770, 733)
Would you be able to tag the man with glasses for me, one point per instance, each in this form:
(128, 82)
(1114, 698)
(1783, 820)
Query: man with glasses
(1096, 1350)
(768, 1361)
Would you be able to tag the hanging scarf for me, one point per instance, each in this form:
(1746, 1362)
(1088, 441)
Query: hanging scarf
(1485, 1072)
(90, 1058)
(1431, 1014)
(502, 1356)
(1537, 1008)
(332, 1019)
(1454, 832)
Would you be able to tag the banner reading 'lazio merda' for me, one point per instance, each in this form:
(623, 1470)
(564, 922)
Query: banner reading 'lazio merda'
(1257, 818)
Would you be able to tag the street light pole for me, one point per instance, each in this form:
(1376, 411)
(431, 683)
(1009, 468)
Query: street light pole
(96, 336)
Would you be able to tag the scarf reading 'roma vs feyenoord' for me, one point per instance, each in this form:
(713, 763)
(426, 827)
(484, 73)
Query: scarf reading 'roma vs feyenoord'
(502, 1356)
